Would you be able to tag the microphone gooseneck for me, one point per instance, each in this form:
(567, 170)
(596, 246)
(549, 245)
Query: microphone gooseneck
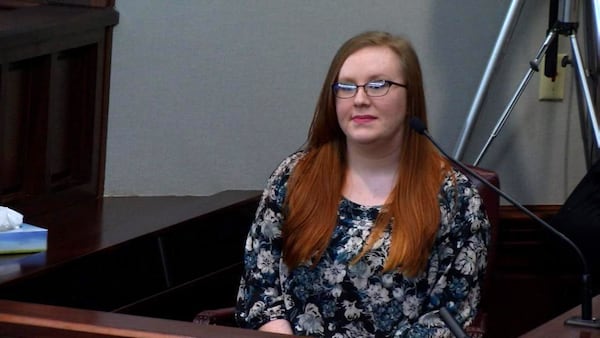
(586, 319)
(452, 323)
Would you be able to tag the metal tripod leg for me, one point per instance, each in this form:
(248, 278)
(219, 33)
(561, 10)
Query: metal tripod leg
(584, 88)
(503, 38)
(534, 67)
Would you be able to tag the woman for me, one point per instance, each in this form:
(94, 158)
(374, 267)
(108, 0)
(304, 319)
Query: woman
(367, 231)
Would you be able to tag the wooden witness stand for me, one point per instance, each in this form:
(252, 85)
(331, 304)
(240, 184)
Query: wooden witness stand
(32, 320)
(142, 280)
(142, 256)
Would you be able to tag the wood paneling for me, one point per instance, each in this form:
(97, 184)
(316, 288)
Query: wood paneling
(54, 76)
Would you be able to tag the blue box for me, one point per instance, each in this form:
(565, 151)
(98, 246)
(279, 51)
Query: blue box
(27, 238)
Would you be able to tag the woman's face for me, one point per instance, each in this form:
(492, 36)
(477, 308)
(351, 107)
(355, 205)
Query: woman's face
(367, 120)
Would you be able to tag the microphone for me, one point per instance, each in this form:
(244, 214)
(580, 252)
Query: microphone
(452, 324)
(585, 319)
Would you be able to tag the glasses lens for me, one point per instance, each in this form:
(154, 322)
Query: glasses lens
(344, 90)
(377, 88)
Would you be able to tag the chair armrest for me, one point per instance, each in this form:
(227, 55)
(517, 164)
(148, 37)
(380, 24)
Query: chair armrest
(477, 327)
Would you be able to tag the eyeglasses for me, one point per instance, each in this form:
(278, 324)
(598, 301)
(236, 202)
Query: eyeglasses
(372, 89)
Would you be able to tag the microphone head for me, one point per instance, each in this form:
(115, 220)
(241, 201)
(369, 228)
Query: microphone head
(417, 125)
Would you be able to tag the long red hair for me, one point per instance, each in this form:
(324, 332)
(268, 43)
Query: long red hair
(314, 188)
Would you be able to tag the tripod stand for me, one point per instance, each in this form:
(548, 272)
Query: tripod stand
(567, 26)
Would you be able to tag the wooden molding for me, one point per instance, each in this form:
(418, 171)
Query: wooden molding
(544, 211)
(85, 3)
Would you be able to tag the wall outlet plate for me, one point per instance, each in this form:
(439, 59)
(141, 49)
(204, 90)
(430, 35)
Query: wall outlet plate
(553, 89)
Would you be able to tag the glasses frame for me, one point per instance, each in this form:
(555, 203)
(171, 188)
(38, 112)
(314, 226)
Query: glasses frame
(336, 85)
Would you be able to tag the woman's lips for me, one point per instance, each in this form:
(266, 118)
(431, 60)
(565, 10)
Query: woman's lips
(363, 118)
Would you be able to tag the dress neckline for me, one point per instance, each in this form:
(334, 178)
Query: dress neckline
(360, 206)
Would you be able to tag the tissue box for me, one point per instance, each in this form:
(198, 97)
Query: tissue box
(27, 238)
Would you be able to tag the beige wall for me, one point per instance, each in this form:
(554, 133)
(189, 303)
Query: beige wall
(211, 95)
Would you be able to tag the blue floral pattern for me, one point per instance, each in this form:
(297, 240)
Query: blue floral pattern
(339, 299)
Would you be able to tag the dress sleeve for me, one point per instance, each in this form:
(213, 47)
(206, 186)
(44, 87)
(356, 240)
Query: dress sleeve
(260, 298)
(460, 253)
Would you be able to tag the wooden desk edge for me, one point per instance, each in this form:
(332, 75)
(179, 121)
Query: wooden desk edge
(556, 327)
(111, 324)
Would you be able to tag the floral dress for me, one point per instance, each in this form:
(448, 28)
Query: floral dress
(339, 299)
